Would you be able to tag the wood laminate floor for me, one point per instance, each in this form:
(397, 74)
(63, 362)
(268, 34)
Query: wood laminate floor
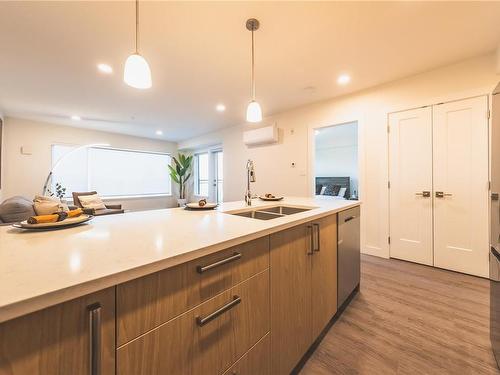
(409, 319)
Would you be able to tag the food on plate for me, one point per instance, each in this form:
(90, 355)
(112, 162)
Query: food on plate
(42, 219)
(268, 195)
(202, 202)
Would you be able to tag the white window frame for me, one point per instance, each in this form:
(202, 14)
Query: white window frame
(111, 197)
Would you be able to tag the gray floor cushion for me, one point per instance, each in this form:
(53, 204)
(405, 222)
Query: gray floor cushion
(16, 209)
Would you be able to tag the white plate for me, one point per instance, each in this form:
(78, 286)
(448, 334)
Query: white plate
(59, 224)
(196, 206)
(271, 199)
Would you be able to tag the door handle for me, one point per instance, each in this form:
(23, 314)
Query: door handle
(317, 237)
(311, 240)
(232, 258)
(221, 310)
(440, 194)
(424, 193)
(95, 338)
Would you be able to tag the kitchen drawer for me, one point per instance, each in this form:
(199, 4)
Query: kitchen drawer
(185, 345)
(257, 361)
(145, 303)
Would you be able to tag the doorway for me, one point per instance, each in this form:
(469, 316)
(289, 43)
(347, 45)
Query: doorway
(336, 167)
(208, 174)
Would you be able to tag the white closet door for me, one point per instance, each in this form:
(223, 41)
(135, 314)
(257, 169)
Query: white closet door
(410, 170)
(460, 173)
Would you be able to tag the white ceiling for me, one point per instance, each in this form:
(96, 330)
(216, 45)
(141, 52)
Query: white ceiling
(199, 56)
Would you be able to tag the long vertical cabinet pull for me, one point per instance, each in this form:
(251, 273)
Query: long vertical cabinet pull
(310, 251)
(95, 338)
(317, 238)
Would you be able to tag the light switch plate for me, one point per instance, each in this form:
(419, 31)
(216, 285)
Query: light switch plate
(26, 150)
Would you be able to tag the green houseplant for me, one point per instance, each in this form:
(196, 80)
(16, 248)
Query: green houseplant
(180, 172)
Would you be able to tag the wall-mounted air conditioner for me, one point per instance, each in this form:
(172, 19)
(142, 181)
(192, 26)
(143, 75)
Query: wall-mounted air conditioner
(261, 136)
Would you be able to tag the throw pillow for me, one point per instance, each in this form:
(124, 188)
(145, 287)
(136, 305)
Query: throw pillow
(92, 202)
(45, 205)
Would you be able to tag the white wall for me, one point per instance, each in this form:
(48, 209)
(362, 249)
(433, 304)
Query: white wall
(336, 153)
(25, 174)
(370, 108)
(1, 157)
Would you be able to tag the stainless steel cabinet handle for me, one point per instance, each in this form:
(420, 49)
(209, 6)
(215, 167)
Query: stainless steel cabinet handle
(317, 248)
(208, 267)
(221, 310)
(349, 218)
(95, 338)
(310, 251)
(440, 194)
(425, 194)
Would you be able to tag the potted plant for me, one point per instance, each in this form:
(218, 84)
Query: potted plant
(180, 172)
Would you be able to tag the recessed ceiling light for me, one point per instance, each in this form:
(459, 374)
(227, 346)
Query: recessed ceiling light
(105, 68)
(76, 118)
(220, 107)
(159, 132)
(343, 79)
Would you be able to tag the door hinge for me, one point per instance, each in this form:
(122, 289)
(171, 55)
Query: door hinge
(388, 128)
(388, 184)
(389, 240)
(488, 114)
(489, 185)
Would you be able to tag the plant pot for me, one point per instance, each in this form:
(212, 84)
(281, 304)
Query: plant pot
(181, 202)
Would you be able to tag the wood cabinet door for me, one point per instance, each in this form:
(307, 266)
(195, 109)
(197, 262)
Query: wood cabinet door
(256, 361)
(147, 302)
(291, 255)
(324, 273)
(205, 340)
(57, 340)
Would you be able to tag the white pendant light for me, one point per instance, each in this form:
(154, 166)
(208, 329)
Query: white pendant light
(254, 112)
(137, 73)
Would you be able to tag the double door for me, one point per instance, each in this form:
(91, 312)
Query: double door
(438, 167)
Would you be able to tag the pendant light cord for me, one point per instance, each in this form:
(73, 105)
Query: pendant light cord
(137, 26)
(253, 69)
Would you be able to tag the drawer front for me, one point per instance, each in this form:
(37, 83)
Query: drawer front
(149, 301)
(206, 340)
(257, 361)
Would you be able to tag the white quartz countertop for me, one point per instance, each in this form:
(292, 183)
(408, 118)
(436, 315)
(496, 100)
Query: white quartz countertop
(41, 269)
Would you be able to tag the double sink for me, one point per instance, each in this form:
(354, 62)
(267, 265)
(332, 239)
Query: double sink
(268, 213)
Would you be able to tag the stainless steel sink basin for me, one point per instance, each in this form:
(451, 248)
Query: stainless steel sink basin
(268, 213)
(285, 210)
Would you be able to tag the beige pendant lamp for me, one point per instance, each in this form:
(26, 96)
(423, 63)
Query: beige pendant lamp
(254, 112)
(137, 73)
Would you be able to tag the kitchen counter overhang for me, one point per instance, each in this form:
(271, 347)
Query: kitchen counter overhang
(41, 269)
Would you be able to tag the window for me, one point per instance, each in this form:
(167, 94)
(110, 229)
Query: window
(111, 172)
(201, 174)
(208, 172)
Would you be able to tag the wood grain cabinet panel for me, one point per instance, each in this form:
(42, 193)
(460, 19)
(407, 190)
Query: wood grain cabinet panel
(291, 256)
(256, 361)
(56, 340)
(147, 302)
(324, 274)
(303, 289)
(181, 346)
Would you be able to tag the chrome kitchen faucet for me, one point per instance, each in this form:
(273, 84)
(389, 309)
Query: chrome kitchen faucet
(250, 178)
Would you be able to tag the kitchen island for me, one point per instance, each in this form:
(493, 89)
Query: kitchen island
(129, 283)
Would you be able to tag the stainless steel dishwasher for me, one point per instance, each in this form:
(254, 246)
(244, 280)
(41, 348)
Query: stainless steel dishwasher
(348, 253)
